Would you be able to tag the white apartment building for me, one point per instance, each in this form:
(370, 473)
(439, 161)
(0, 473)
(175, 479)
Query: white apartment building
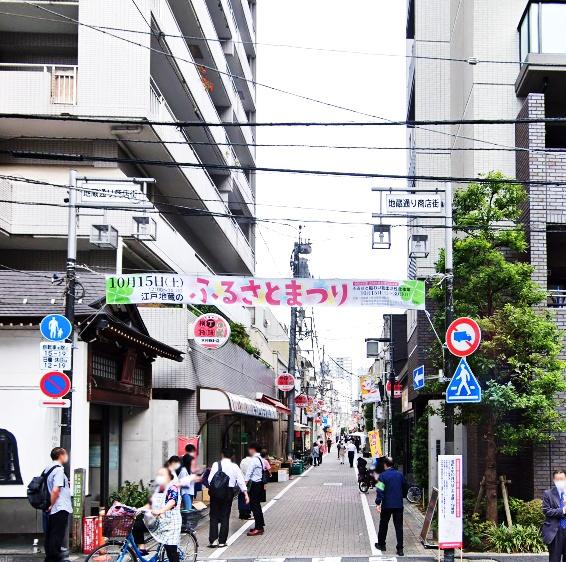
(472, 33)
(112, 75)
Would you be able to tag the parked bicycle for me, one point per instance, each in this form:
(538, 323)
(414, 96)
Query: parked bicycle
(121, 546)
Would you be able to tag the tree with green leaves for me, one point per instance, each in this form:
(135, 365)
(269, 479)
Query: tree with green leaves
(518, 361)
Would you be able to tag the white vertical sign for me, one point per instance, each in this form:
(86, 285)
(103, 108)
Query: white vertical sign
(450, 516)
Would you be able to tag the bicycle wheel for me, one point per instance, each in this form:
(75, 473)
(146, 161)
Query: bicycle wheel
(111, 551)
(364, 487)
(414, 494)
(188, 549)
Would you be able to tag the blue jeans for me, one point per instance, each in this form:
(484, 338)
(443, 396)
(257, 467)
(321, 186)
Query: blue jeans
(187, 502)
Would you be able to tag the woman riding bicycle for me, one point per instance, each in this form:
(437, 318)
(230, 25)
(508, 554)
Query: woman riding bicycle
(164, 505)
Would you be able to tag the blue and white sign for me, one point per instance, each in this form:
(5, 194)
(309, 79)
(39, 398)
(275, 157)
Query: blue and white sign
(55, 327)
(463, 388)
(418, 378)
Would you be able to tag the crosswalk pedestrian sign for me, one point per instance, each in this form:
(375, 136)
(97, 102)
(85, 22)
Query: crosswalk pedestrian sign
(463, 388)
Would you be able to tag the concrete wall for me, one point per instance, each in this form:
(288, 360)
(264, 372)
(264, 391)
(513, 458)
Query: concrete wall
(149, 438)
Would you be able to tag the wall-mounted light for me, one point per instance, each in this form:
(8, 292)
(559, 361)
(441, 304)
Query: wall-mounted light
(418, 246)
(381, 239)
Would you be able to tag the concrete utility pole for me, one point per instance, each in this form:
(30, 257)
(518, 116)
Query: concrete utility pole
(70, 281)
(299, 248)
(449, 311)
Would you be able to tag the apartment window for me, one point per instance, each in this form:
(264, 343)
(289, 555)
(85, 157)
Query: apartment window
(556, 265)
(541, 29)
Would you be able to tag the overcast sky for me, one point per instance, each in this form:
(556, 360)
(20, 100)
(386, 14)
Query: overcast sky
(370, 84)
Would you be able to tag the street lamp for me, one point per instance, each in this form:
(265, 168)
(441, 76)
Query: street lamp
(418, 246)
(381, 239)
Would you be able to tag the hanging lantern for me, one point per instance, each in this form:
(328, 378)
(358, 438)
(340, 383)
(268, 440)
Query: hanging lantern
(285, 382)
(320, 404)
(301, 401)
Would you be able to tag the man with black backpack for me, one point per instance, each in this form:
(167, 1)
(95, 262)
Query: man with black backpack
(256, 477)
(51, 493)
(223, 478)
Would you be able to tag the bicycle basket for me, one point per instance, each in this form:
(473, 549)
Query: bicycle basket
(115, 526)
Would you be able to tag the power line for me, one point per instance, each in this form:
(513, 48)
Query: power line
(388, 123)
(471, 60)
(256, 83)
(66, 157)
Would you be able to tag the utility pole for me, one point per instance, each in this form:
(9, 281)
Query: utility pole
(70, 282)
(449, 312)
(299, 248)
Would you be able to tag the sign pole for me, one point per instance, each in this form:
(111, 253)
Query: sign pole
(449, 304)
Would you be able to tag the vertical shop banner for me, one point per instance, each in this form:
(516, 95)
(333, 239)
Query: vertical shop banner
(375, 444)
(450, 516)
(170, 288)
(369, 390)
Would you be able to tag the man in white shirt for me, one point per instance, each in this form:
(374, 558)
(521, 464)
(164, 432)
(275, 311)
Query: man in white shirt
(244, 508)
(351, 449)
(220, 508)
(254, 477)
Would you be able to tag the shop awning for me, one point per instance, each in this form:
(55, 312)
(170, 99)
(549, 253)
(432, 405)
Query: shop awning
(279, 406)
(216, 400)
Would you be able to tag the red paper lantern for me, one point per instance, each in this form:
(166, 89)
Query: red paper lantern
(285, 382)
(301, 401)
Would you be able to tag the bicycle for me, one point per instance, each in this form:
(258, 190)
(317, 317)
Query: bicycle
(126, 550)
(414, 494)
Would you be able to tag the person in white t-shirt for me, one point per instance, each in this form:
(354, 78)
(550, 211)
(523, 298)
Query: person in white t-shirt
(351, 449)
(220, 508)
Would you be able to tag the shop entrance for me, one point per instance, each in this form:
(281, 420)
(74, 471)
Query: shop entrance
(105, 436)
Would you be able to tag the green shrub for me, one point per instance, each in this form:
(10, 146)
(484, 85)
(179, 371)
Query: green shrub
(530, 514)
(475, 532)
(134, 494)
(519, 538)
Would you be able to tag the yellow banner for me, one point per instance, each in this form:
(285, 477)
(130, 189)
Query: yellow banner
(375, 444)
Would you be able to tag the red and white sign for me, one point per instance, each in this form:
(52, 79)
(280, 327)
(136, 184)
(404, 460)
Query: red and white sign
(56, 403)
(463, 337)
(450, 510)
(55, 384)
(285, 382)
(211, 331)
(397, 389)
(301, 401)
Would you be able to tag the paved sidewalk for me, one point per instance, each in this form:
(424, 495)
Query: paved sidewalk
(320, 515)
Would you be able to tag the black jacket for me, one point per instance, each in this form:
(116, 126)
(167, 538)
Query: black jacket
(553, 514)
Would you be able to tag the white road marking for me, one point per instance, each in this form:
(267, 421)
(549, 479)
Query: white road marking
(332, 484)
(328, 559)
(372, 534)
(235, 536)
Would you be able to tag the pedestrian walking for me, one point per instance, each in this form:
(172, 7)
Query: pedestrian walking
(187, 492)
(338, 445)
(60, 506)
(320, 450)
(315, 454)
(266, 467)
(221, 505)
(342, 452)
(254, 479)
(328, 444)
(244, 509)
(391, 487)
(351, 449)
(554, 509)
(165, 507)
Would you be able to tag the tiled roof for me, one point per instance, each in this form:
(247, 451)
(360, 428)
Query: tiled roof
(32, 294)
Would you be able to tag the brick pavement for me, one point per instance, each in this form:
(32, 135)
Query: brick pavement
(321, 515)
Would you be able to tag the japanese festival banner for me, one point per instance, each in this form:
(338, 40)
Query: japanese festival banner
(375, 444)
(450, 517)
(369, 390)
(170, 288)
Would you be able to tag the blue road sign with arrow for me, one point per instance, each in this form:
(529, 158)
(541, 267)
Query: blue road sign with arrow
(463, 388)
(418, 378)
(55, 327)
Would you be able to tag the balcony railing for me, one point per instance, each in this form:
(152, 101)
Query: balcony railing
(62, 78)
(557, 298)
(541, 29)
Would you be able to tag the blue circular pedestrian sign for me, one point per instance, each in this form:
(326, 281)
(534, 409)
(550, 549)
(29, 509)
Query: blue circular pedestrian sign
(55, 327)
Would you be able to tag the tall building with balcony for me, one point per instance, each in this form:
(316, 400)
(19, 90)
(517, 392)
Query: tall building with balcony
(120, 74)
(471, 33)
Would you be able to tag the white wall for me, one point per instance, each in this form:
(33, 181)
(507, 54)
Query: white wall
(37, 429)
